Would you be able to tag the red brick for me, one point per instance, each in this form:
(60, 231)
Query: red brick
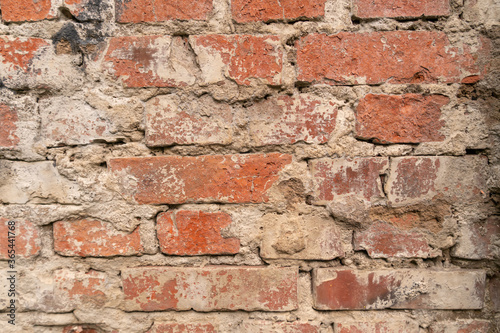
(89, 238)
(242, 58)
(345, 289)
(210, 178)
(170, 121)
(268, 10)
(261, 326)
(290, 119)
(27, 239)
(8, 119)
(182, 328)
(379, 327)
(194, 232)
(360, 176)
(400, 8)
(479, 240)
(455, 179)
(27, 10)
(382, 240)
(136, 11)
(17, 54)
(210, 288)
(150, 61)
(378, 57)
(410, 118)
(460, 326)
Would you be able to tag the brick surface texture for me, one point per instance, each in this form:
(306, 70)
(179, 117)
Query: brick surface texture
(249, 166)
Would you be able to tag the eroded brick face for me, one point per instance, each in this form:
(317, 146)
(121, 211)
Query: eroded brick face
(182, 328)
(89, 238)
(214, 178)
(478, 240)
(265, 10)
(345, 289)
(378, 57)
(374, 326)
(409, 118)
(209, 289)
(195, 233)
(25, 241)
(8, 119)
(461, 326)
(136, 11)
(337, 177)
(382, 240)
(27, 10)
(170, 121)
(278, 327)
(291, 119)
(150, 61)
(242, 58)
(400, 8)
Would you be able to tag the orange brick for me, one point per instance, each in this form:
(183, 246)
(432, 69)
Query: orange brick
(194, 233)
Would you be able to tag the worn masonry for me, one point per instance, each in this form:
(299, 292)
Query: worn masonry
(312, 166)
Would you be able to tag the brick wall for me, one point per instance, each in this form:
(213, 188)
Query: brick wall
(322, 166)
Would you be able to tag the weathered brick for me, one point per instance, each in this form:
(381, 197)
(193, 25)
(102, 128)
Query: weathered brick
(494, 291)
(419, 179)
(19, 130)
(204, 121)
(26, 241)
(78, 329)
(136, 11)
(64, 291)
(37, 182)
(67, 121)
(379, 327)
(378, 57)
(400, 8)
(299, 237)
(194, 232)
(151, 61)
(27, 63)
(244, 11)
(479, 240)
(428, 216)
(210, 288)
(345, 289)
(86, 10)
(460, 326)
(382, 240)
(290, 119)
(261, 326)
(210, 178)
(409, 118)
(89, 238)
(242, 58)
(166, 327)
(8, 119)
(27, 10)
(360, 176)
(17, 54)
